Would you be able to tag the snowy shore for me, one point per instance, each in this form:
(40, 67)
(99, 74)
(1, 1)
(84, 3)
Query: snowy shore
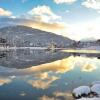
(89, 99)
(91, 92)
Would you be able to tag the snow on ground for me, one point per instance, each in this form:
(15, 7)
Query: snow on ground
(96, 82)
(82, 90)
(96, 89)
(89, 99)
(88, 92)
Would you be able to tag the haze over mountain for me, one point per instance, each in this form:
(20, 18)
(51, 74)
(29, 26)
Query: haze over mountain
(88, 39)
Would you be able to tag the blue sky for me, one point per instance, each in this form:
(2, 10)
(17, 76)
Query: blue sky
(77, 12)
(67, 15)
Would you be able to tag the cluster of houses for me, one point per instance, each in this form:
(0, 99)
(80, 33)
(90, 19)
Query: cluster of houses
(52, 45)
(3, 42)
(83, 44)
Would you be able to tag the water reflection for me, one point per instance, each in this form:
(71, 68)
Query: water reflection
(89, 67)
(52, 79)
(4, 81)
(23, 58)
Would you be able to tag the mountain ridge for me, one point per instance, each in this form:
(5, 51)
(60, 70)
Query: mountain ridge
(24, 36)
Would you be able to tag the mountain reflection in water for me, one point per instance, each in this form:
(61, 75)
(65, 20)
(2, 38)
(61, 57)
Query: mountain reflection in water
(45, 75)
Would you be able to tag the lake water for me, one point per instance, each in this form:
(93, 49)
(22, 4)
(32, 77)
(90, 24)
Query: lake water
(45, 75)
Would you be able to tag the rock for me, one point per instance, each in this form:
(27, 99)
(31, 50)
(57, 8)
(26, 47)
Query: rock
(82, 91)
(95, 89)
(96, 82)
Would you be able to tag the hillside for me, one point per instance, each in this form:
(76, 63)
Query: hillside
(22, 36)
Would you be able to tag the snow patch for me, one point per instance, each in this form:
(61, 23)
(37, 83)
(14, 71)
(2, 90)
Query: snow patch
(89, 99)
(82, 90)
(96, 89)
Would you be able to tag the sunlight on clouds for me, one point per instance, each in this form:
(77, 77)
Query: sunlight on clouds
(42, 75)
(57, 96)
(44, 97)
(74, 31)
(64, 1)
(4, 12)
(4, 81)
(89, 68)
(45, 19)
(56, 27)
(44, 14)
(60, 66)
(66, 95)
(43, 79)
(42, 84)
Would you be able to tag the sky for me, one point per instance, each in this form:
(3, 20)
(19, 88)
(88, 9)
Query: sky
(76, 19)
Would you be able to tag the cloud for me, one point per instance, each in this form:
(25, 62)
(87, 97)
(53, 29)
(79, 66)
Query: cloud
(57, 27)
(43, 14)
(89, 68)
(60, 66)
(4, 12)
(67, 11)
(93, 4)
(22, 94)
(4, 81)
(57, 96)
(13, 17)
(44, 97)
(42, 17)
(64, 1)
(42, 75)
(42, 83)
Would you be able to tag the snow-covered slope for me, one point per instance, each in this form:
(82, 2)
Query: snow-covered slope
(21, 36)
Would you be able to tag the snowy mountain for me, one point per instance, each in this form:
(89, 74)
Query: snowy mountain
(22, 36)
(91, 39)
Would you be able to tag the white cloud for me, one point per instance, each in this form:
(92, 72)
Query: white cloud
(13, 17)
(67, 11)
(4, 12)
(45, 19)
(43, 14)
(94, 4)
(64, 1)
(89, 29)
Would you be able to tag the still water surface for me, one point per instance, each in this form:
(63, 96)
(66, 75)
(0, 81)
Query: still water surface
(45, 75)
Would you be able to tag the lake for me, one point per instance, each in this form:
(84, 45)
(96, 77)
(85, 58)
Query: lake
(45, 75)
